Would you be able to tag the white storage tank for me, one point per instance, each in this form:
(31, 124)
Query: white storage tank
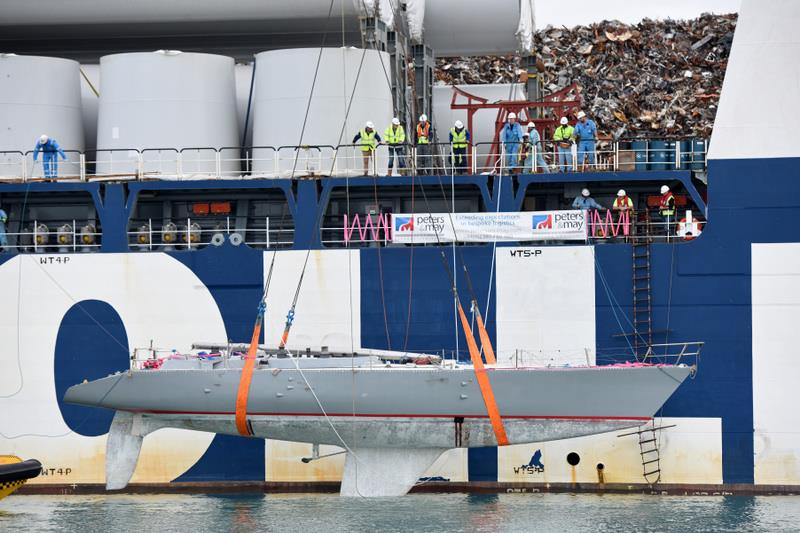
(167, 103)
(39, 95)
(284, 80)
(90, 98)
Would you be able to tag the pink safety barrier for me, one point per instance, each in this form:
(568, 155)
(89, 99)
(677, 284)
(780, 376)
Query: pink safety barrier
(602, 228)
(368, 227)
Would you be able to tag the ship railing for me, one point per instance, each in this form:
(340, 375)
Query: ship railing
(306, 161)
(121, 164)
(259, 162)
(57, 169)
(352, 161)
(148, 235)
(12, 166)
(115, 164)
(673, 353)
(54, 236)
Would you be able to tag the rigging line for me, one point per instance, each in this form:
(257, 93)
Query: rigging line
(89, 415)
(375, 182)
(78, 304)
(613, 300)
(493, 259)
(328, 419)
(669, 297)
(484, 335)
(320, 211)
(410, 276)
(313, 85)
(611, 303)
(380, 57)
(481, 375)
(380, 269)
(19, 296)
(249, 105)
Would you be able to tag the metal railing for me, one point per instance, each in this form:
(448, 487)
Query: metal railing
(674, 353)
(187, 234)
(349, 160)
(56, 236)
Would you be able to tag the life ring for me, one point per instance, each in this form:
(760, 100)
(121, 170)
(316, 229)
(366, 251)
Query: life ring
(690, 230)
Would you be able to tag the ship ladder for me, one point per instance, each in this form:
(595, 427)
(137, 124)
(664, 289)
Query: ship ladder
(650, 452)
(642, 304)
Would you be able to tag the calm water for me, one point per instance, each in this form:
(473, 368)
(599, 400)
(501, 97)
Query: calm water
(447, 512)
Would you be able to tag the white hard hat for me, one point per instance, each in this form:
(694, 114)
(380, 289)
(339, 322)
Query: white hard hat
(564, 121)
(585, 192)
(43, 139)
(396, 121)
(664, 189)
(459, 124)
(621, 193)
(512, 115)
(369, 125)
(423, 118)
(531, 125)
(526, 134)
(581, 114)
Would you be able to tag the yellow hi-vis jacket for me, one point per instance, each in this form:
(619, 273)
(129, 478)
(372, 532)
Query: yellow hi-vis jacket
(368, 142)
(564, 135)
(459, 137)
(395, 136)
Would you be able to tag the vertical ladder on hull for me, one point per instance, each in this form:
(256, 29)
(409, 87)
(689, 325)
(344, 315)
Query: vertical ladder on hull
(651, 457)
(642, 309)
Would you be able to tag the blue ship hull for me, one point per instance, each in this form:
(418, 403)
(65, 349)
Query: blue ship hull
(701, 290)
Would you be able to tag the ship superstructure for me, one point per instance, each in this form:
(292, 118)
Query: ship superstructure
(140, 244)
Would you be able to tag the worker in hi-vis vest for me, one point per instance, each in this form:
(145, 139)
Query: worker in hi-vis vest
(395, 138)
(369, 140)
(424, 159)
(459, 141)
(666, 208)
(564, 138)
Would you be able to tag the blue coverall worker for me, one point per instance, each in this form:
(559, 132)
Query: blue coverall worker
(459, 141)
(586, 137)
(536, 142)
(585, 201)
(564, 137)
(3, 237)
(369, 139)
(395, 137)
(51, 152)
(511, 135)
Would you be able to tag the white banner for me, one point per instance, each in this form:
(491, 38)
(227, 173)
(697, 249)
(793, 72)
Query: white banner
(488, 227)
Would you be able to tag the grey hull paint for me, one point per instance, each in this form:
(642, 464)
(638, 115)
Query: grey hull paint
(390, 406)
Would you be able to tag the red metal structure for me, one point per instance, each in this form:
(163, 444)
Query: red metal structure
(562, 103)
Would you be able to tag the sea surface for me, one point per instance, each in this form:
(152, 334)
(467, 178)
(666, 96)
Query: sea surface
(575, 513)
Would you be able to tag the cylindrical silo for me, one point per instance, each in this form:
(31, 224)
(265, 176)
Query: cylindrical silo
(244, 99)
(284, 80)
(39, 95)
(90, 97)
(167, 103)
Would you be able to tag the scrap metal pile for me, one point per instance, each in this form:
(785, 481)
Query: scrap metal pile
(655, 78)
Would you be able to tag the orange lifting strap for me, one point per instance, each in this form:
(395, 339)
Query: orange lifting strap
(483, 381)
(484, 335)
(244, 382)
